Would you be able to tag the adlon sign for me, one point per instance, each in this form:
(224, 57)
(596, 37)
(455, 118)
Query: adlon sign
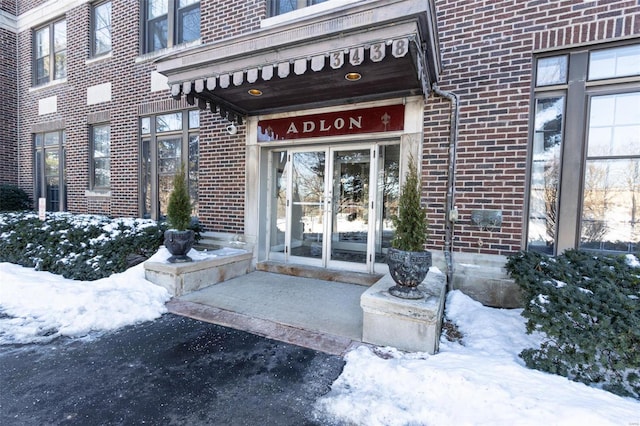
(348, 122)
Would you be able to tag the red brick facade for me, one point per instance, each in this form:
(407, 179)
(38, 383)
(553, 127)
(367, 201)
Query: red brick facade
(487, 49)
(8, 102)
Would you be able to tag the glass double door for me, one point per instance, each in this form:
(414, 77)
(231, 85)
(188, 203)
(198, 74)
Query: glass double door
(332, 206)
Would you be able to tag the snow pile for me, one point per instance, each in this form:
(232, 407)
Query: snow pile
(37, 306)
(482, 381)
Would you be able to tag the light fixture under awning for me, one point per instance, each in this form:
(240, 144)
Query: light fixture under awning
(293, 69)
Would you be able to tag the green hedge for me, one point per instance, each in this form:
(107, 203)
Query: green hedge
(588, 306)
(82, 247)
(13, 199)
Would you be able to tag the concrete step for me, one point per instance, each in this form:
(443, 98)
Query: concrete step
(325, 274)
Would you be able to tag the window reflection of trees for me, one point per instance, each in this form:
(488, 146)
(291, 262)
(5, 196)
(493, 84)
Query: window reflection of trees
(545, 174)
(612, 178)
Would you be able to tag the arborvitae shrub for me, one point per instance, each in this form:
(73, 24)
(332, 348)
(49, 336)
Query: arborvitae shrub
(179, 207)
(588, 306)
(411, 224)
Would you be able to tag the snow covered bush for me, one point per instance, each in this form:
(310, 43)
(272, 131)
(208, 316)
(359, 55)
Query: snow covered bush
(81, 247)
(588, 306)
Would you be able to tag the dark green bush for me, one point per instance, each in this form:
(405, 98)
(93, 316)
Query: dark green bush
(82, 247)
(588, 306)
(13, 198)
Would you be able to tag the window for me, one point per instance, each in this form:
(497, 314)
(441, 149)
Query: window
(278, 7)
(170, 22)
(100, 157)
(167, 141)
(101, 29)
(50, 52)
(50, 170)
(584, 180)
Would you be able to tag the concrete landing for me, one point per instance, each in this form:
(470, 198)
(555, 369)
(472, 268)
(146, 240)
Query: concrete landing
(313, 313)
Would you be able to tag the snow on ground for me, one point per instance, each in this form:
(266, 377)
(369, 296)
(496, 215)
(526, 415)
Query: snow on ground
(479, 382)
(38, 306)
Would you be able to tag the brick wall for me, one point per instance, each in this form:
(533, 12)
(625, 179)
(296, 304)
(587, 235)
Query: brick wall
(222, 156)
(487, 48)
(9, 6)
(8, 110)
(27, 5)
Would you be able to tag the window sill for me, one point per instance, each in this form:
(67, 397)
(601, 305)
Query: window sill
(96, 59)
(48, 85)
(167, 51)
(97, 193)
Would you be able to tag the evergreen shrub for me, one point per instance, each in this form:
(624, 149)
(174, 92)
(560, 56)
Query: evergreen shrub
(179, 208)
(81, 247)
(411, 223)
(13, 198)
(588, 307)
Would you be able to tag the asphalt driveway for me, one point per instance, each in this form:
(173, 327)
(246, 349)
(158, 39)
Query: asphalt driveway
(172, 371)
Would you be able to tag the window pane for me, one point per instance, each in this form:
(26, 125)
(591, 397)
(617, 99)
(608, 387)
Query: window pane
(38, 174)
(60, 36)
(616, 62)
(52, 162)
(102, 173)
(101, 141)
(60, 65)
(145, 125)
(42, 42)
(157, 8)
(169, 154)
(189, 21)
(51, 139)
(42, 70)
(193, 172)
(169, 158)
(145, 174)
(610, 207)
(169, 122)
(102, 29)
(60, 49)
(614, 125)
(545, 174)
(194, 119)
(101, 156)
(282, 6)
(102, 41)
(42, 56)
(551, 71)
(157, 34)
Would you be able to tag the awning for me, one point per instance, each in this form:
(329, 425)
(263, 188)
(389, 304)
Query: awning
(374, 50)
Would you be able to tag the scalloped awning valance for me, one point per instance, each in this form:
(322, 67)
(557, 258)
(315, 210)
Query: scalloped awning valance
(324, 62)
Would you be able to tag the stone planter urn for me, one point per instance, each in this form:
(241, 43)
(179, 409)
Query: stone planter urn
(179, 243)
(408, 269)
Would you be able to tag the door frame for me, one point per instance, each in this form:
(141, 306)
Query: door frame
(373, 208)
